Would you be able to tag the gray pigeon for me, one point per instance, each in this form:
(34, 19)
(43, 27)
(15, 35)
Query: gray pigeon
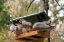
(40, 26)
(17, 28)
(20, 26)
(12, 28)
(26, 25)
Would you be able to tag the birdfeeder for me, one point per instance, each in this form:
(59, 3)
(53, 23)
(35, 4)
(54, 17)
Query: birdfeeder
(35, 17)
(36, 35)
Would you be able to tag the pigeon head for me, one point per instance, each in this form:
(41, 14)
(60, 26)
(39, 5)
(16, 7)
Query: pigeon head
(22, 20)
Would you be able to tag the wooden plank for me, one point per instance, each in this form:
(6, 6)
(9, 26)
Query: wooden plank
(20, 40)
(26, 34)
(23, 40)
(32, 38)
(32, 33)
(44, 34)
(40, 40)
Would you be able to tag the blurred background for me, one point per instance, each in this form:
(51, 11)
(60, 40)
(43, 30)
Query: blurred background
(10, 9)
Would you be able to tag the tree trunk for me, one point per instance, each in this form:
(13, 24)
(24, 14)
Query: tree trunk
(41, 5)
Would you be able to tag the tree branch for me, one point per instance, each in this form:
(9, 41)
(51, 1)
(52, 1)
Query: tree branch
(30, 5)
(57, 2)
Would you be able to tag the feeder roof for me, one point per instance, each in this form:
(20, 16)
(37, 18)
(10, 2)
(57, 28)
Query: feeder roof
(35, 17)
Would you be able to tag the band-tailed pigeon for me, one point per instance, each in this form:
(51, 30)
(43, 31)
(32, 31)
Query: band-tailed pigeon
(41, 26)
(17, 28)
(12, 28)
(26, 25)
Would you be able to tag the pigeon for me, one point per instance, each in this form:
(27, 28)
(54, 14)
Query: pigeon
(41, 26)
(20, 26)
(47, 22)
(26, 25)
(17, 28)
(12, 28)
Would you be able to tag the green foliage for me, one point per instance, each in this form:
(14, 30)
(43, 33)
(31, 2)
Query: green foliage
(61, 35)
(58, 18)
(56, 21)
(1, 7)
(2, 1)
(62, 18)
(62, 7)
(3, 34)
(56, 12)
(4, 18)
(4, 15)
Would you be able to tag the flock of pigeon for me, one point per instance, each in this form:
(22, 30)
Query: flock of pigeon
(25, 26)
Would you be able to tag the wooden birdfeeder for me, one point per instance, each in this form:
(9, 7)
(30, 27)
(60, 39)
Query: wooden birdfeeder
(36, 35)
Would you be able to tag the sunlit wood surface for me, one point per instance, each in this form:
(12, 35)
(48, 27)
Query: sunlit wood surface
(32, 36)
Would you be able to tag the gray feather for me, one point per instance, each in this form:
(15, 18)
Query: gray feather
(19, 26)
(40, 25)
(25, 23)
(16, 28)
(12, 28)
